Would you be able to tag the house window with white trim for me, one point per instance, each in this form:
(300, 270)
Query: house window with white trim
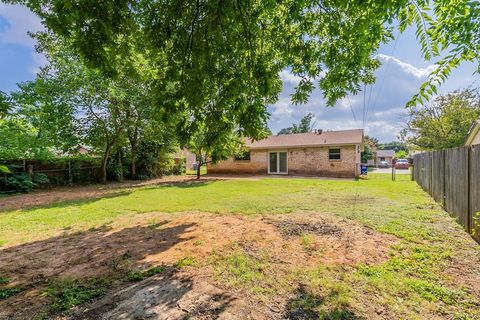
(334, 154)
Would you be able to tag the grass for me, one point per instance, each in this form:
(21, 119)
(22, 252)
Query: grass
(411, 282)
(140, 275)
(203, 171)
(66, 293)
(376, 203)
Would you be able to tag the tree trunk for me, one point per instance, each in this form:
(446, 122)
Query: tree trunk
(199, 165)
(103, 173)
(133, 163)
(120, 165)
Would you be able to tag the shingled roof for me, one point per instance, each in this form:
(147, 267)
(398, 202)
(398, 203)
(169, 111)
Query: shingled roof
(310, 139)
(386, 153)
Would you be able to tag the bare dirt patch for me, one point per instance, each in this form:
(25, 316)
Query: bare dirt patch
(164, 239)
(290, 228)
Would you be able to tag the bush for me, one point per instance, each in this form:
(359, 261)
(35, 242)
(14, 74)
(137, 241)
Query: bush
(40, 179)
(180, 167)
(20, 182)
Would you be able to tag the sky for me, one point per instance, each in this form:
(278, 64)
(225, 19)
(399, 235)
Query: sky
(402, 72)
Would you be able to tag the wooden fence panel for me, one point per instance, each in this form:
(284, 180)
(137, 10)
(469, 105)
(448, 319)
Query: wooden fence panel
(438, 176)
(475, 192)
(456, 185)
(452, 178)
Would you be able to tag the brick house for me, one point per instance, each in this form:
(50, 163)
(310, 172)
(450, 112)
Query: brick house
(385, 155)
(327, 153)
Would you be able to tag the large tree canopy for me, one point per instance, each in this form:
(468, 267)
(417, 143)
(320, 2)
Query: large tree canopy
(217, 62)
(445, 122)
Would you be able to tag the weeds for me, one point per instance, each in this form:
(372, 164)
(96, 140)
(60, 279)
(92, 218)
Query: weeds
(9, 292)
(66, 293)
(140, 275)
(185, 262)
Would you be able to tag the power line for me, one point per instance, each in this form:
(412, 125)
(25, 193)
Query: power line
(353, 113)
(382, 82)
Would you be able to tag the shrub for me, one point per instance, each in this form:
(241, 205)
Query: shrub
(20, 182)
(40, 179)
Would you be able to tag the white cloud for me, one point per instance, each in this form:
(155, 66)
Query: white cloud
(408, 68)
(282, 109)
(289, 77)
(20, 21)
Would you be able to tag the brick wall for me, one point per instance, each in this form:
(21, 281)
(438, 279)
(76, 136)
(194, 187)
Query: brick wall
(301, 161)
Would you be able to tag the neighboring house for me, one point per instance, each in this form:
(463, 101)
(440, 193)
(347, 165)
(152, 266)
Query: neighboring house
(327, 153)
(190, 158)
(474, 134)
(385, 155)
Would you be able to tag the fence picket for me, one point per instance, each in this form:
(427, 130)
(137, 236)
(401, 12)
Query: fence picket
(452, 178)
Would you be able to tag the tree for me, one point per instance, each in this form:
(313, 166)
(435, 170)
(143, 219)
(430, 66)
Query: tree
(207, 148)
(402, 154)
(367, 153)
(393, 145)
(370, 147)
(235, 49)
(221, 60)
(445, 122)
(307, 123)
(5, 104)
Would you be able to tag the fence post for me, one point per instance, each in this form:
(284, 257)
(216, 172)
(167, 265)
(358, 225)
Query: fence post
(70, 179)
(469, 190)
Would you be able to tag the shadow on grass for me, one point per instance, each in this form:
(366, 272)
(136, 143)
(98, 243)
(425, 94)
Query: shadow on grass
(100, 253)
(306, 306)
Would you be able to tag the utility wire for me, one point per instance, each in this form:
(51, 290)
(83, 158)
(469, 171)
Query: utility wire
(382, 82)
(353, 113)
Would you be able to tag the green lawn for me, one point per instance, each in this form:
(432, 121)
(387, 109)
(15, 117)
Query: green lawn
(203, 171)
(417, 279)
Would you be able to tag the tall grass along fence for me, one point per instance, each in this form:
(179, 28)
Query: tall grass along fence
(452, 178)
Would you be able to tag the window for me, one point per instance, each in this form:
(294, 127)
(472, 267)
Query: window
(243, 156)
(382, 158)
(333, 154)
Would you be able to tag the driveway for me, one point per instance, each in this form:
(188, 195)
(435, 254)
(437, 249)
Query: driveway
(389, 170)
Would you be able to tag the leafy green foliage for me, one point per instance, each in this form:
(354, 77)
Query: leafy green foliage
(307, 123)
(445, 122)
(67, 293)
(209, 146)
(5, 105)
(4, 169)
(40, 179)
(21, 140)
(19, 182)
(393, 145)
(370, 146)
(446, 29)
(140, 275)
(402, 154)
(219, 63)
(185, 262)
(9, 292)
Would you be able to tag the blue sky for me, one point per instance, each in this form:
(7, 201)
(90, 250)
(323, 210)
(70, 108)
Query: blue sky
(401, 73)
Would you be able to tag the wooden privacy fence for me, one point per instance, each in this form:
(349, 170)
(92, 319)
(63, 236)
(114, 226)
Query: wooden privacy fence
(59, 173)
(452, 178)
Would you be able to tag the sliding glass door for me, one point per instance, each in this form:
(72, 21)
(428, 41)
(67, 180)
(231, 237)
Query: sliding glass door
(277, 162)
